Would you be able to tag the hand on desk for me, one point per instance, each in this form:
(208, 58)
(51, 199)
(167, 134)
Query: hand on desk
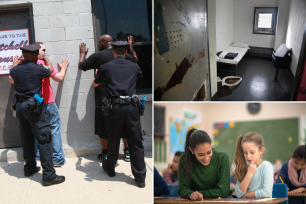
(196, 196)
(298, 190)
(249, 195)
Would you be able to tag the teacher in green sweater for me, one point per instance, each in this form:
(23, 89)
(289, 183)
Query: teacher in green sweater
(203, 172)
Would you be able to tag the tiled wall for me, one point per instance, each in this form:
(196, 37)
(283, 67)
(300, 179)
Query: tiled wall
(296, 26)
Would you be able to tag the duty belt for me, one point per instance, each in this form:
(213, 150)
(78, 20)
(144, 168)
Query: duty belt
(121, 100)
(22, 98)
(125, 100)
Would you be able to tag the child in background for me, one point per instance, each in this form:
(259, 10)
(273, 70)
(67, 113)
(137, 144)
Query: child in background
(233, 183)
(253, 176)
(276, 168)
(293, 173)
(170, 173)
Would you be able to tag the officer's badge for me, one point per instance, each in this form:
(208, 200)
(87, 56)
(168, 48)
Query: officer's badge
(46, 67)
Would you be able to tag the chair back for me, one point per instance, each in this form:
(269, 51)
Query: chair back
(172, 191)
(280, 190)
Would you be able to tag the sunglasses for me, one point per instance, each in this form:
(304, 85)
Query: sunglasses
(43, 50)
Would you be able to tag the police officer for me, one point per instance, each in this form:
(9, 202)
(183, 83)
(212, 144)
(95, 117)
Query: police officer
(94, 61)
(27, 78)
(119, 76)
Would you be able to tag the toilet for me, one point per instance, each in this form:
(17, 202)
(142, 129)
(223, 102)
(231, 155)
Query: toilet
(231, 82)
(227, 84)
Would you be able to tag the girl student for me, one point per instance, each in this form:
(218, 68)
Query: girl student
(293, 173)
(253, 176)
(203, 172)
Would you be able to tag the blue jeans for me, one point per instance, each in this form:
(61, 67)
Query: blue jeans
(53, 118)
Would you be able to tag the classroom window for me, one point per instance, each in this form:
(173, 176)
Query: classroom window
(265, 19)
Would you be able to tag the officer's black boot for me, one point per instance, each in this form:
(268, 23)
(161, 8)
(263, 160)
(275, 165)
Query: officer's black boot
(109, 173)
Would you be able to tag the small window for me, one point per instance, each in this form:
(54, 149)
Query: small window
(265, 19)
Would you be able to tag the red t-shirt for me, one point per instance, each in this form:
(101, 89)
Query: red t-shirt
(47, 91)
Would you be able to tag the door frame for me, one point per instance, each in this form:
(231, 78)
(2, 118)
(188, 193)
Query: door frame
(21, 7)
(300, 68)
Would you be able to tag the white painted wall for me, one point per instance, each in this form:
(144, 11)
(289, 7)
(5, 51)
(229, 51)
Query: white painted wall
(296, 26)
(243, 23)
(62, 25)
(224, 21)
(228, 112)
(282, 23)
(212, 38)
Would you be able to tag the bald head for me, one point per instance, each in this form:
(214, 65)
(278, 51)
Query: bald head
(104, 42)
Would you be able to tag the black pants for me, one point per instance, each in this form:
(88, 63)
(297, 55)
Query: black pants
(125, 118)
(100, 125)
(34, 125)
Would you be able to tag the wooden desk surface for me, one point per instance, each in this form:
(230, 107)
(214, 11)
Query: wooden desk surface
(166, 200)
(303, 194)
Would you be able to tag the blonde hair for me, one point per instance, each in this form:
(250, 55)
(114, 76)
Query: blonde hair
(239, 160)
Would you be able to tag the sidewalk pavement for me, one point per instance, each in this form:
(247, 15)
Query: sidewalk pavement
(86, 182)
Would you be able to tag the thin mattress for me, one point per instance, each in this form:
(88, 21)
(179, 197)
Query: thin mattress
(241, 52)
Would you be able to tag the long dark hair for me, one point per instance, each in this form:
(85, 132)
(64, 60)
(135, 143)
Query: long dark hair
(193, 139)
(300, 152)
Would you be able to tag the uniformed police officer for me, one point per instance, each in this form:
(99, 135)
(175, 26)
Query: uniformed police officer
(94, 61)
(27, 78)
(120, 77)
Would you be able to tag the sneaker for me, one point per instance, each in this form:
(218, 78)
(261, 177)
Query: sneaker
(38, 163)
(57, 165)
(127, 155)
(102, 157)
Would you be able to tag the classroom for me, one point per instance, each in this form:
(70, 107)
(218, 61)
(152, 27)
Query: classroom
(281, 125)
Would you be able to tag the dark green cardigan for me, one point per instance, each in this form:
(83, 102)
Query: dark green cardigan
(211, 181)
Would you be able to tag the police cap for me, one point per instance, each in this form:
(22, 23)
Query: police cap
(31, 48)
(119, 44)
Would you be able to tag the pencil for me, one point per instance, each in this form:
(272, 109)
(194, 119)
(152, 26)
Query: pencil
(281, 179)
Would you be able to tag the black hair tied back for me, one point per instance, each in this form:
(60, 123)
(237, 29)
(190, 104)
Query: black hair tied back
(194, 138)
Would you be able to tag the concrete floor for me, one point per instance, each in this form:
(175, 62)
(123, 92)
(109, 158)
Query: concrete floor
(86, 182)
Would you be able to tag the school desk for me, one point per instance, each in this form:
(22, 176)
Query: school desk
(303, 194)
(168, 200)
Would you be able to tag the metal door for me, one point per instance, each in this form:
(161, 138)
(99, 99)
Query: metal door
(12, 18)
(181, 55)
(299, 88)
(301, 91)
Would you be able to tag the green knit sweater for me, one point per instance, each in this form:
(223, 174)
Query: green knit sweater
(211, 181)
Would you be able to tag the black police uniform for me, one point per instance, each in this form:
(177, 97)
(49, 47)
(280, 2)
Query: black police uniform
(94, 61)
(120, 77)
(28, 82)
